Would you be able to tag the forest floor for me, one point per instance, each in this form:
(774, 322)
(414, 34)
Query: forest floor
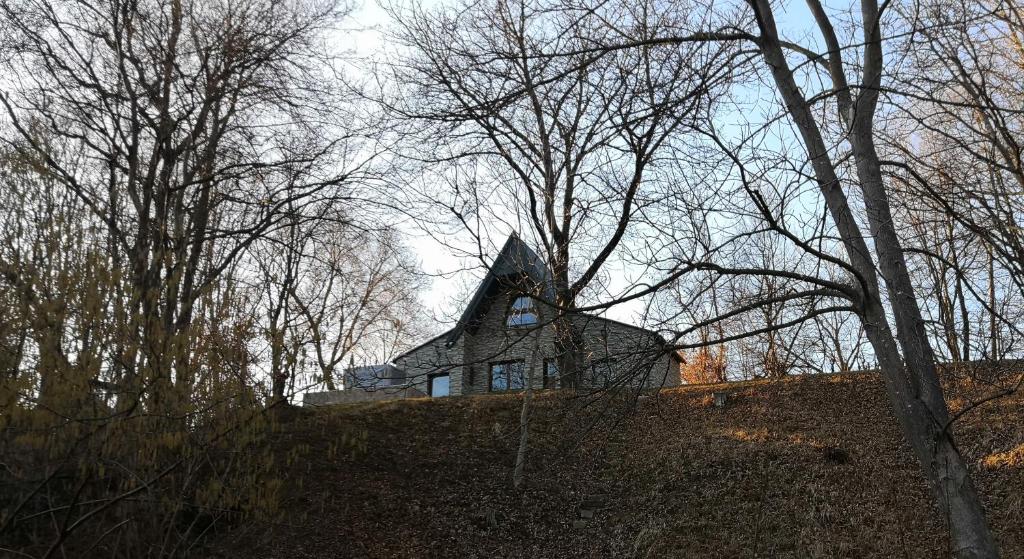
(803, 467)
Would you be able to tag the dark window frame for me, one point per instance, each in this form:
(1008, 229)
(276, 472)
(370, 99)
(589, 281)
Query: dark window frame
(430, 383)
(533, 309)
(490, 375)
(608, 362)
(547, 382)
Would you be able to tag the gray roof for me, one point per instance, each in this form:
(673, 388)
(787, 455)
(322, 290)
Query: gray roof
(373, 376)
(517, 265)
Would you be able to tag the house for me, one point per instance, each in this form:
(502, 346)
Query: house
(494, 345)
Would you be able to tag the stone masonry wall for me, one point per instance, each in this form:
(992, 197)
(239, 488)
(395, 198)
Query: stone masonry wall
(492, 341)
(637, 357)
(353, 395)
(637, 354)
(433, 358)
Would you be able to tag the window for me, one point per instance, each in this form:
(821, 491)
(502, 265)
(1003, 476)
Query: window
(603, 373)
(550, 373)
(522, 312)
(437, 385)
(508, 375)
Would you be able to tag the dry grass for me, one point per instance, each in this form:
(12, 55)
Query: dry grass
(807, 467)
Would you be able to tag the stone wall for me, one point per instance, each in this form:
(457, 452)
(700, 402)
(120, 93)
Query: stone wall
(433, 357)
(491, 341)
(351, 396)
(638, 356)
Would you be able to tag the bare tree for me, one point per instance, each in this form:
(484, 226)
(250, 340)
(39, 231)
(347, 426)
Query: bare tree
(906, 356)
(147, 146)
(186, 123)
(964, 169)
(840, 342)
(563, 150)
(359, 294)
(279, 259)
(837, 130)
(333, 291)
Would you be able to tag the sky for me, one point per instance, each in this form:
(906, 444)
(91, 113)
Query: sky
(364, 38)
(452, 278)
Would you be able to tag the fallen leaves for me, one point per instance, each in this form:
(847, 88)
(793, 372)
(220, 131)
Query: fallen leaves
(805, 467)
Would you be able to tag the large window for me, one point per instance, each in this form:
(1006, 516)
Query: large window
(550, 373)
(437, 385)
(603, 373)
(508, 375)
(522, 312)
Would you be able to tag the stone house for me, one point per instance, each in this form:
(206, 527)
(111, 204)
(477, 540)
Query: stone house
(494, 345)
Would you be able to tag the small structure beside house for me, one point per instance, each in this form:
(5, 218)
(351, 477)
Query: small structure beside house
(494, 345)
(366, 384)
(372, 377)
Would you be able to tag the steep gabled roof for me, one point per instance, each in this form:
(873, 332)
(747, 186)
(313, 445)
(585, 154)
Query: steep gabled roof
(516, 265)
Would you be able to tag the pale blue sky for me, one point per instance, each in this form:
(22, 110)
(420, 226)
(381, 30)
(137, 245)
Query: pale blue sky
(364, 38)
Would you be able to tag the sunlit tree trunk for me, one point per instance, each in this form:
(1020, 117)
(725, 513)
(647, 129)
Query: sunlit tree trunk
(906, 360)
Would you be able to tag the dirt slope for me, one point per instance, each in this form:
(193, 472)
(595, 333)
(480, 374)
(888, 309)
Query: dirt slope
(808, 467)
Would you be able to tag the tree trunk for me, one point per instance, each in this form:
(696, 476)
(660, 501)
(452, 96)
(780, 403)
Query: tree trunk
(993, 327)
(328, 373)
(568, 343)
(932, 442)
(959, 296)
(518, 472)
(924, 412)
(908, 368)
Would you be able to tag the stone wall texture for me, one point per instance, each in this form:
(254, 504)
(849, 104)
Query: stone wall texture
(353, 395)
(613, 354)
(635, 357)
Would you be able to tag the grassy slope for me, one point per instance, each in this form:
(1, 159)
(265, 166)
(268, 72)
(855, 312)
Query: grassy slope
(808, 467)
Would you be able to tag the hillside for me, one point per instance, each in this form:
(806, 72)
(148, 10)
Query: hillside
(807, 467)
